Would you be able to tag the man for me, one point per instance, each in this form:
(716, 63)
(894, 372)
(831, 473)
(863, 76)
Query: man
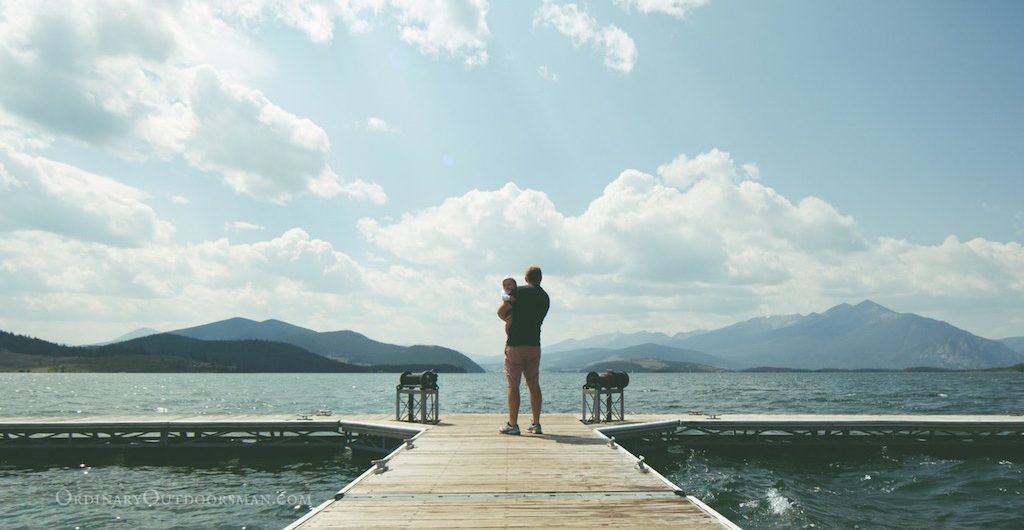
(522, 348)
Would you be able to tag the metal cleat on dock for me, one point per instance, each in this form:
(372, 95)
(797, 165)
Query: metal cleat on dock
(410, 443)
(380, 466)
(713, 417)
(612, 444)
(641, 465)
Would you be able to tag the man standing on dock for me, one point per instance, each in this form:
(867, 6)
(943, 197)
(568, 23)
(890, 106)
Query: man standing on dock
(522, 348)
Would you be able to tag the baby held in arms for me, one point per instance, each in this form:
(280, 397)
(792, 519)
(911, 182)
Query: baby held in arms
(508, 298)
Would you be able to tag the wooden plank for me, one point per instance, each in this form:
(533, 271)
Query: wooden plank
(665, 511)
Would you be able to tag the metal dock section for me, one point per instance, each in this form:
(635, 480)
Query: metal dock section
(462, 474)
(305, 431)
(698, 430)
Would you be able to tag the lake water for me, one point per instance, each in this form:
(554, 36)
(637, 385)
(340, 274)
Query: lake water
(757, 489)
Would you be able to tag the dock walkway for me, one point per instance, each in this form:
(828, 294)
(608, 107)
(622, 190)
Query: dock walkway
(462, 474)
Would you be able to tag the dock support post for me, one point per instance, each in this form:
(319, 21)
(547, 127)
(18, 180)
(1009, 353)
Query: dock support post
(420, 405)
(603, 405)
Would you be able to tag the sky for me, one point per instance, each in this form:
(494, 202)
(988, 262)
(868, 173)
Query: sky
(380, 165)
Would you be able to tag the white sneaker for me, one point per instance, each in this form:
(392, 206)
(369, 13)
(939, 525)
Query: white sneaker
(509, 429)
(535, 429)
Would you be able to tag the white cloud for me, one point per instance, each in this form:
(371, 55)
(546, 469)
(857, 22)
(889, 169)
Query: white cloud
(42, 194)
(705, 227)
(569, 20)
(123, 76)
(360, 189)
(179, 199)
(64, 62)
(546, 74)
(620, 52)
(455, 27)
(683, 172)
(619, 49)
(261, 149)
(243, 226)
(487, 229)
(675, 8)
(700, 244)
(46, 267)
(751, 170)
(376, 124)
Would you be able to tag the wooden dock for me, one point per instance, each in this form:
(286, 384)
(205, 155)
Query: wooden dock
(462, 474)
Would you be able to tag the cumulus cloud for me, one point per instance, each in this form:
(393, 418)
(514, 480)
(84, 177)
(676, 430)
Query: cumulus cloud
(62, 64)
(683, 172)
(694, 245)
(457, 28)
(42, 194)
(485, 228)
(619, 49)
(620, 53)
(675, 8)
(261, 149)
(124, 76)
(49, 273)
(701, 220)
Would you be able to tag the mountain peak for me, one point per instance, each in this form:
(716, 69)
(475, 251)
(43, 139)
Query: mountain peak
(233, 321)
(870, 305)
(867, 308)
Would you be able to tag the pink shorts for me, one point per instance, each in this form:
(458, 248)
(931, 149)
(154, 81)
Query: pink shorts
(522, 361)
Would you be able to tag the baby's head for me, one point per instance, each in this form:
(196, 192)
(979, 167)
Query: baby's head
(509, 284)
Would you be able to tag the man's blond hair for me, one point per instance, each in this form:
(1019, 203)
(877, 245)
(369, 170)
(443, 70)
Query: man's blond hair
(533, 275)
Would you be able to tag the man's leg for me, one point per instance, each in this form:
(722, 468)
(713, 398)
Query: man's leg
(535, 400)
(513, 405)
(531, 371)
(513, 374)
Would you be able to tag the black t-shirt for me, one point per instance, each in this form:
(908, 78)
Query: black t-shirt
(531, 306)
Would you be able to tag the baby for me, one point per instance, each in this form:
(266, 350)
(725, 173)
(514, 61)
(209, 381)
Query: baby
(508, 297)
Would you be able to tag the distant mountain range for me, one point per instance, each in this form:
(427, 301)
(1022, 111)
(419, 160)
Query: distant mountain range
(344, 346)
(163, 353)
(845, 337)
(234, 345)
(862, 336)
